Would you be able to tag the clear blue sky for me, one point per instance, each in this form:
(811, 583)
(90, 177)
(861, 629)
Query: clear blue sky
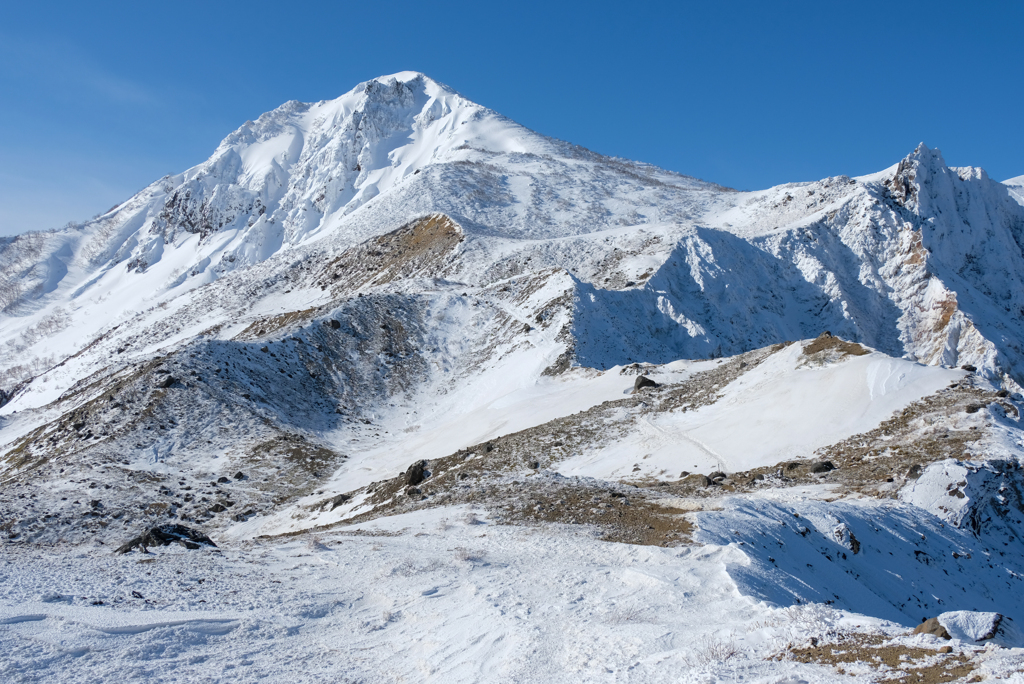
(99, 99)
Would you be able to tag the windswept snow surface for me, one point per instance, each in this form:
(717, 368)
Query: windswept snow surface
(444, 597)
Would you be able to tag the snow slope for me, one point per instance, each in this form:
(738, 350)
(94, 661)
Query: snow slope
(823, 405)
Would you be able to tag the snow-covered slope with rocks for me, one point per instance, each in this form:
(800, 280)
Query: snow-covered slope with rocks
(401, 306)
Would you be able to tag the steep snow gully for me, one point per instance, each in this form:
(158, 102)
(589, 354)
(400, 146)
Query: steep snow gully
(386, 352)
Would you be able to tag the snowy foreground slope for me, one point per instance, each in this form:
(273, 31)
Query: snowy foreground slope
(460, 402)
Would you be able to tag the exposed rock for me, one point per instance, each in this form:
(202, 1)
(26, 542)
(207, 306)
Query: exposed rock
(415, 473)
(828, 344)
(974, 408)
(968, 367)
(222, 479)
(338, 500)
(163, 535)
(239, 475)
(643, 381)
(932, 626)
(335, 324)
(822, 467)
(167, 382)
(844, 535)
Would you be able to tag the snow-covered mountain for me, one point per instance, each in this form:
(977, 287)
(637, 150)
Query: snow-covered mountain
(270, 342)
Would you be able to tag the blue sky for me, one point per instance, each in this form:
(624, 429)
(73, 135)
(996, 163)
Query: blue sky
(99, 99)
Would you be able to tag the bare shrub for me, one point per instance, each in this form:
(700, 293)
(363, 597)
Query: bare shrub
(711, 651)
(469, 556)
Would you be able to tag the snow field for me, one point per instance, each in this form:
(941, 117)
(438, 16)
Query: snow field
(439, 597)
(781, 410)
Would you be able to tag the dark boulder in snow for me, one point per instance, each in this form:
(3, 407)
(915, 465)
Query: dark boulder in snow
(415, 474)
(163, 535)
(968, 367)
(643, 381)
(932, 626)
(239, 475)
(335, 324)
(822, 467)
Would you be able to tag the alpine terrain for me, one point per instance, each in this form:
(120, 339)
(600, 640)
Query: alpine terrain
(391, 388)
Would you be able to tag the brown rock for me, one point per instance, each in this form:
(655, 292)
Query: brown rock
(932, 626)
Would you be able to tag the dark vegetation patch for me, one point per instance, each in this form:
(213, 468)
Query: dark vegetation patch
(891, 662)
(422, 248)
(831, 347)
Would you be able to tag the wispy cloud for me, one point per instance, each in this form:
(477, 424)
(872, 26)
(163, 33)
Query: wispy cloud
(66, 69)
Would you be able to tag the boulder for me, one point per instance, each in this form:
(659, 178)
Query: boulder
(968, 367)
(822, 467)
(415, 473)
(163, 535)
(932, 626)
(643, 381)
(335, 324)
(239, 475)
